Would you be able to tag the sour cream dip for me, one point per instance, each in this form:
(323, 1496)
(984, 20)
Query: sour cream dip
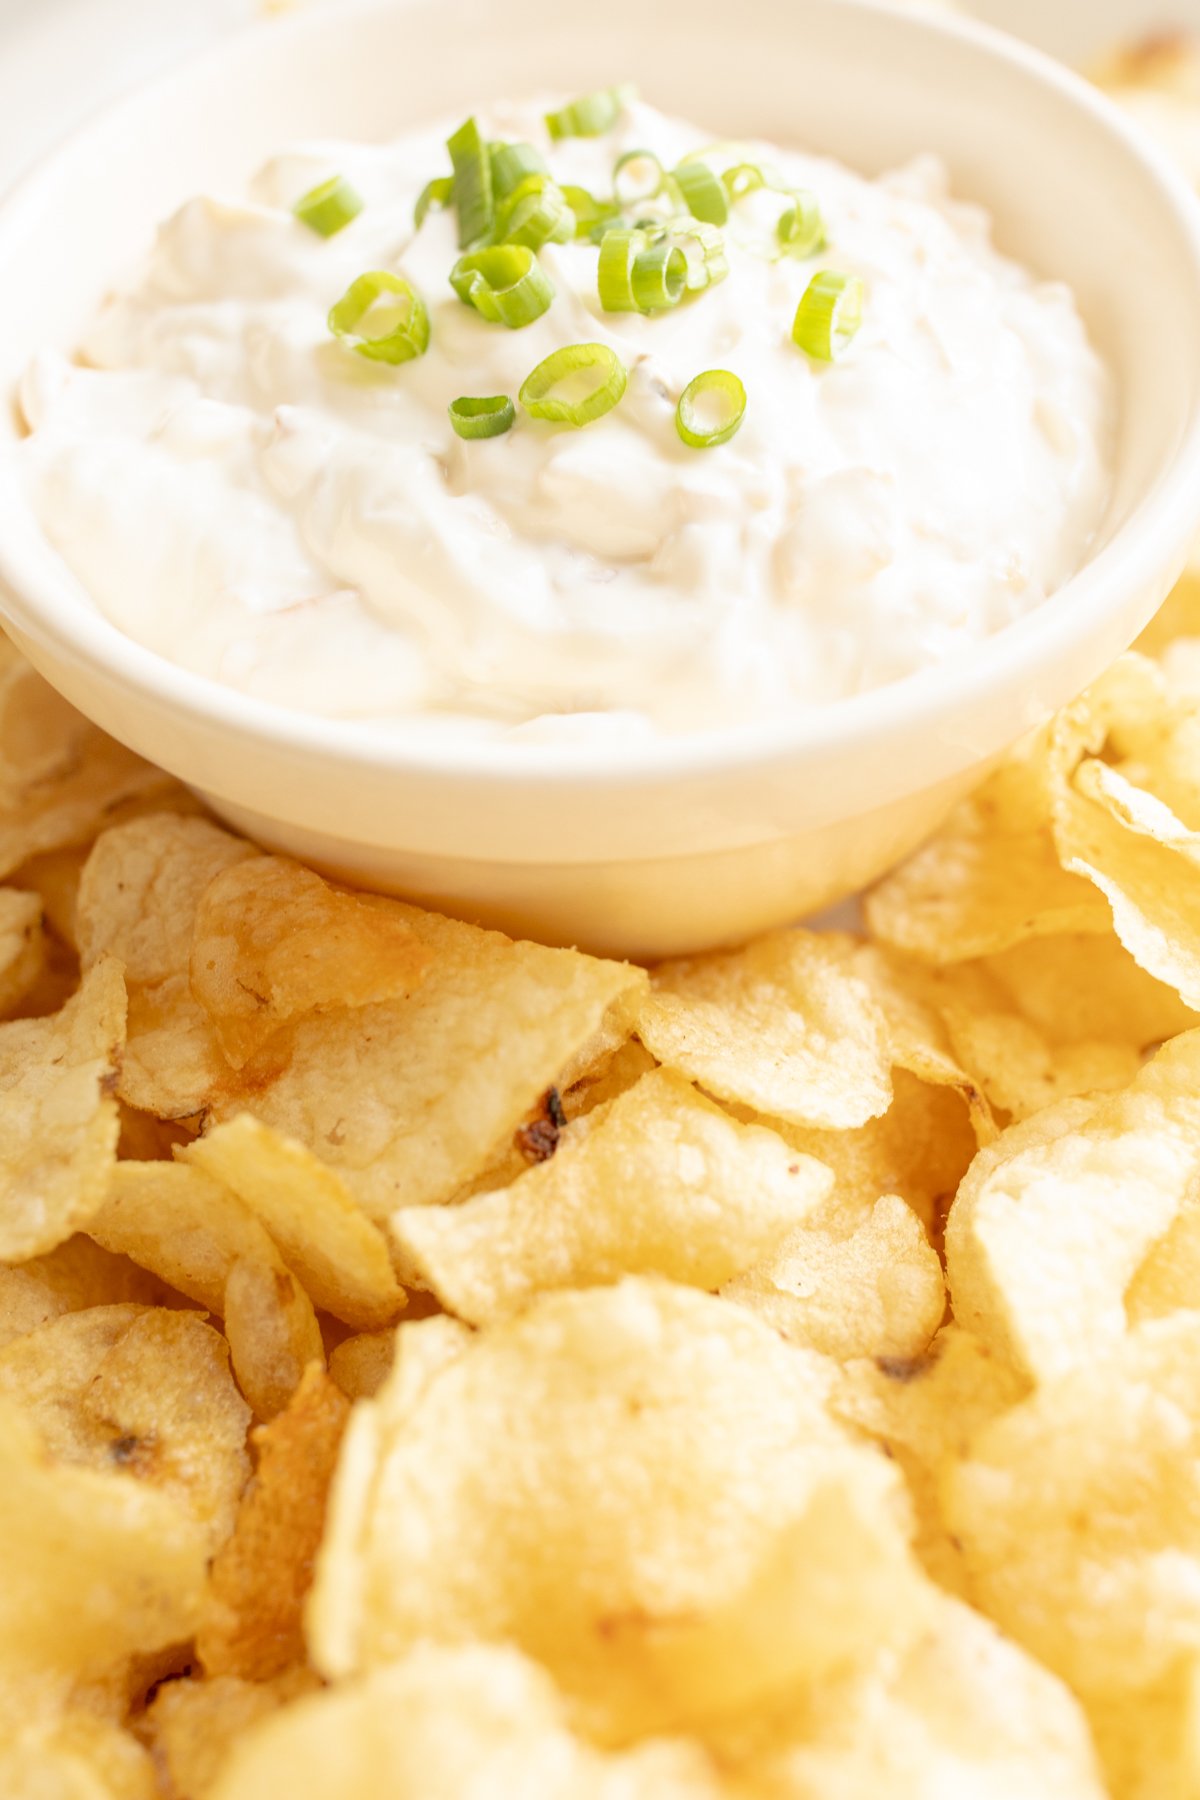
(240, 491)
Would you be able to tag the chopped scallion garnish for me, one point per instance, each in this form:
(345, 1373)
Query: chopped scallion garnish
(703, 195)
(511, 163)
(575, 385)
(439, 192)
(637, 176)
(704, 248)
(829, 314)
(743, 179)
(535, 213)
(472, 183)
(592, 216)
(382, 316)
(801, 228)
(640, 273)
(619, 250)
(590, 116)
(711, 408)
(505, 284)
(329, 208)
(482, 418)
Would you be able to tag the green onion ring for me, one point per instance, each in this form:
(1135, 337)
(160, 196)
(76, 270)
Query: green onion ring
(407, 333)
(660, 276)
(829, 314)
(329, 208)
(482, 418)
(439, 192)
(719, 382)
(505, 284)
(627, 189)
(535, 213)
(801, 228)
(472, 183)
(742, 179)
(538, 396)
(619, 251)
(704, 248)
(511, 163)
(703, 195)
(592, 216)
(592, 115)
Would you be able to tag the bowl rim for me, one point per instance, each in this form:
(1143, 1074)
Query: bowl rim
(1166, 516)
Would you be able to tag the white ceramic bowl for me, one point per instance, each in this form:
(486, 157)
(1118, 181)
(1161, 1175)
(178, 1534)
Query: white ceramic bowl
(708, 838)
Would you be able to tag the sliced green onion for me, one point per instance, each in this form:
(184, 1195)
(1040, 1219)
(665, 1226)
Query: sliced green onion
(742, 179)
(481, 418)
(619, 251)
(637, 176)
(711, 408)
(382, 316)
(511, 163)
(439, 192)
(801, 228)
(704, 248)
(591, 115)
(535, 213)
(660, 276)
(329, 208)
(829, 314)
(703, 195)
(576, 385)
(504, 283)
(592, 216)
(472, 183)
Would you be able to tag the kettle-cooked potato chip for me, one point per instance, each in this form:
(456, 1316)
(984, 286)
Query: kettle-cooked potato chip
(76, 1275)
(1077, 988)
(1053, 1220)
(783, 1026)
(77, 1758)
(58, 1121)
(22, 946)
(272, 1332)
(193, 1724)
(658, 1181)
(272, 941)
(361, 1364)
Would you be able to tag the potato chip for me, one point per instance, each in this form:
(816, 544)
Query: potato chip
(445, 1723)
(22, 946)
(194, 1724)
(554, 1483)
(408, 1099)
(146, 1392)
(55, 879)
(58, 1121)
(783, 1026)
(340, 1256)
(1168, 1281)
(137, 899)
(93, 1566)
(877, 1292)
(1079, 987)
(252, 1622)
(274, 941)
(79, 1758)
(147, 1139)
(658, 1181)
(1079, 1513)
(360, 1365)
(1157, 80)
(76, 1275)
(1149, 1741)
(272, 1332)
(1053, 1220)
(961, 1712)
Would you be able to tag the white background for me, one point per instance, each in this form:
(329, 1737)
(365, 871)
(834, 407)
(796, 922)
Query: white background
(61, 58)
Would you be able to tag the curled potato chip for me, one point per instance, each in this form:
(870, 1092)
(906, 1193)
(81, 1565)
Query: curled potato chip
(1149, 1740)
(75, 1275)
(252, 1621)
(143, 1392)
(554, 1483)
(274, 941)
(272, 1332)
(658, 1181)
(408, 1099)
(1076, 988)
(94, 1567)
(55, 879)
(77, 1757)
(340, 1256)
(193, 1724)
(962, 1711)
(783, 1026)
(360, 1365)
(1078, 1513)
(1052, 1221)
(877, 1292)
(58, 1121)
(447, 1722)
(22, 946)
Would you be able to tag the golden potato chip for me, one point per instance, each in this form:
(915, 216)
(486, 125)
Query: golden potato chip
(1157, 80)
(145, 1392)
(272, 1332)
(607, 1079)
(81, 1759)
(782, 1026)
(960, 1712)
(1052, 1221)
(137, 899)
(194, 1724)
(445, 1723)
(360, 1365)
(877, 1292)
(75, 1275)
(658, 1181)
(1079, 1513)
(55, 879)
(274, 941)
(1079, 987)
(409, 1099)
(554, 1482)
(58, 1121)
(1168, 1281)
(22, 946)
(1149, 1740)
(924, 1410)
(252, 1620)
(147, 1139)
(94, 1567)
(340, 1256)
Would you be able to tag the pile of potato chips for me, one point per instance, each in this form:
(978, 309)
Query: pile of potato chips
(433, 1366)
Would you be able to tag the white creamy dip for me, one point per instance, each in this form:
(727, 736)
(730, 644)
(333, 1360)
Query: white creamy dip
(240, 492)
